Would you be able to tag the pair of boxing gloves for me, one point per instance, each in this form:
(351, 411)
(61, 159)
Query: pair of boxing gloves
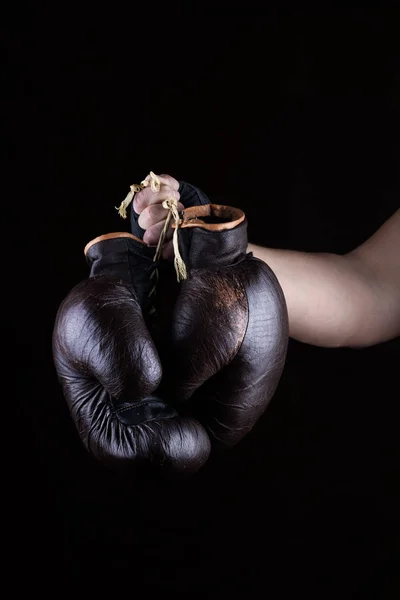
(156, 373)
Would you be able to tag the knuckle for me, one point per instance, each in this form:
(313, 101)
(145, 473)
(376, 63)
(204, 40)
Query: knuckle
(142, 221)
(140, 201)
(169, 192)
(150, 237)
(148, 217)
(153, 213)
(137, 207)
(171, 181)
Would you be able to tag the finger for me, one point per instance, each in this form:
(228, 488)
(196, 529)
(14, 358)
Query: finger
(166, 180)
(147, 197)
(152, 235)
(154, 214)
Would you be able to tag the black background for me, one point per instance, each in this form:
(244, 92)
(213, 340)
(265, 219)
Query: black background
(292, 116)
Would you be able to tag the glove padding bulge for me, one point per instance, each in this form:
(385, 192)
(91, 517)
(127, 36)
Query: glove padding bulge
(109, 367)
(229, 333)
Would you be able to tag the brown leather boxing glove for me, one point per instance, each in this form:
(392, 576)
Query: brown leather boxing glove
(109, 367)
(226, 349)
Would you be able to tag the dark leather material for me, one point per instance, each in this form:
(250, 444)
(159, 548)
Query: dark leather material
(229, 335)
(110, 370)
(123, 259)
(143, 412)
(189, 196)
(134, 219)
(201, 248)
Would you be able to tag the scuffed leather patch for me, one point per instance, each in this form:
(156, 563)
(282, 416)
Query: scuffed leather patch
(207, 330)
(229, 299)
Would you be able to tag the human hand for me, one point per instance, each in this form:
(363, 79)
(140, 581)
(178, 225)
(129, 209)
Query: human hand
(148, 216)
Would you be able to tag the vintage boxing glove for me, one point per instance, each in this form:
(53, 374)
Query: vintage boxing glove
(228, 339)
(110, 370)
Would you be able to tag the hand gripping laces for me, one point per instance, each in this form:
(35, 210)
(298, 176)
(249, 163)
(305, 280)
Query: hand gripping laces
(171, 205)
(151, 180)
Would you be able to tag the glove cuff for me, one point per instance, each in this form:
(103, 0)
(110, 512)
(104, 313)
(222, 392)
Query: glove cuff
(123, 257)
(212, 236)
(213, 217)
(111, 236)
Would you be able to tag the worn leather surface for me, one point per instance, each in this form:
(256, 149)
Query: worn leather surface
(110, 370)
(123, 259)
(201, 248)
(153, 391)
(228, 339)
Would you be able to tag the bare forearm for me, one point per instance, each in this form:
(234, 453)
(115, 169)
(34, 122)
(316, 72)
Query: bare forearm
(331, 300)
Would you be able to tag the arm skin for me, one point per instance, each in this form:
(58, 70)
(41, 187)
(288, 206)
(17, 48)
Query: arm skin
(342, 301)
